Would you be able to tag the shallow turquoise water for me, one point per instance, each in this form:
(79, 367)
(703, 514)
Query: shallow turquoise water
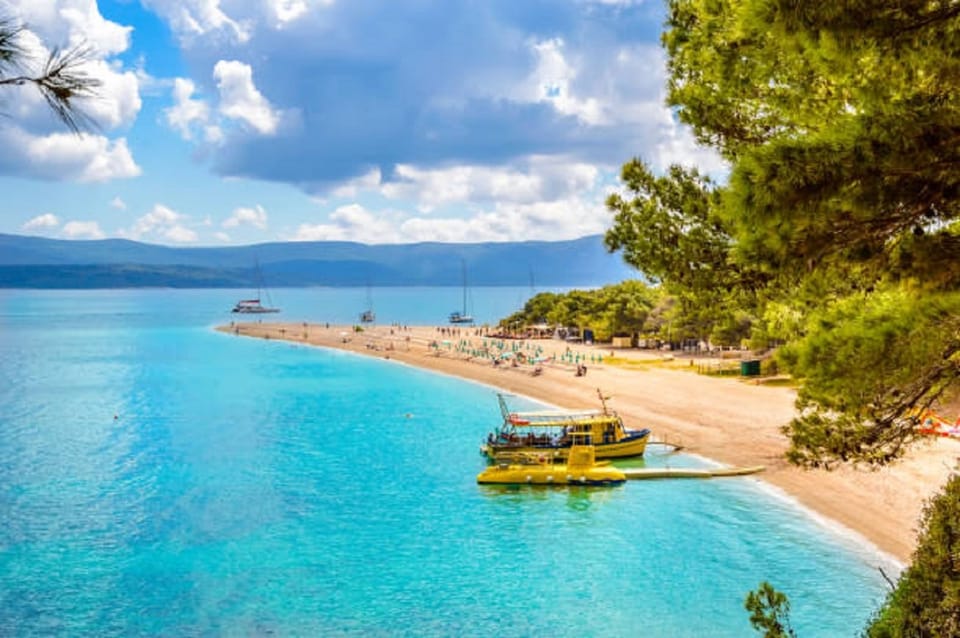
(259, 488)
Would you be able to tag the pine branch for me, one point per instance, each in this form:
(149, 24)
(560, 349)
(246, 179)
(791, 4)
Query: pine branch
(10, 50)
(64, 81)
(61, 82)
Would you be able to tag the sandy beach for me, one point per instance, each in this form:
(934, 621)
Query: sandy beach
(732, 420)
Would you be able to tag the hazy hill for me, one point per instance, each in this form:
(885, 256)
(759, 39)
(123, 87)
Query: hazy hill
(37, 262)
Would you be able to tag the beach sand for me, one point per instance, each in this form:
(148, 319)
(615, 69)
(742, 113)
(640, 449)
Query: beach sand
(732, 420)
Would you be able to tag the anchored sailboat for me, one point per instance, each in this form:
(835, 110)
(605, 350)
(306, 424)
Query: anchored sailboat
(254, 306)
(462, 316)
(368, 316)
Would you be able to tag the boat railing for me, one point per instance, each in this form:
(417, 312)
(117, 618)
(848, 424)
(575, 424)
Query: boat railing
(521, 420)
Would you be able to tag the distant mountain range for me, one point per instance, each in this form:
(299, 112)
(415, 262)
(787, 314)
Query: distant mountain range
(38, 262)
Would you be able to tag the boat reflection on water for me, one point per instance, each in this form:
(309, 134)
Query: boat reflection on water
(579, 498)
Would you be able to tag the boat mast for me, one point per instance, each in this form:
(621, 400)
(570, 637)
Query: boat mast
(603, 401)
(258, 276)
(463, 264)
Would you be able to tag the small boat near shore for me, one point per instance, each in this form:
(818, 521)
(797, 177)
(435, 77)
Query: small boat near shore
(462, 316)
(552, 433)
(580, 467)
(368, 316)
(254, 306)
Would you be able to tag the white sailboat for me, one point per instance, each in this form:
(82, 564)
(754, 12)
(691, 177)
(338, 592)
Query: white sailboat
(254, 306)
(458, 316)
(368, 316)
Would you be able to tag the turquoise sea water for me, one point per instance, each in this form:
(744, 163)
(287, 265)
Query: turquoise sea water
(248, 487)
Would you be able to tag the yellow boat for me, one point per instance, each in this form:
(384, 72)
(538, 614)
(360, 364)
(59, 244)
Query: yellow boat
(579, 468)
(550, 433)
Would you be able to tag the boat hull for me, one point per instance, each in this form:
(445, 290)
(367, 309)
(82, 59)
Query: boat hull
(507, 474)
(254, 311)
(632, 445)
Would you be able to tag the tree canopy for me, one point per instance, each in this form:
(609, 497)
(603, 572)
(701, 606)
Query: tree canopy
(769, 612)
(621, 309)
(841, 121)
(927, 598)
(837, 229)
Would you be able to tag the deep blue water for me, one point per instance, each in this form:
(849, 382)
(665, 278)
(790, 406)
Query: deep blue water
(251, 487)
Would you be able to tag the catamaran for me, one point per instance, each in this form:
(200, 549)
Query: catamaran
(254, 306)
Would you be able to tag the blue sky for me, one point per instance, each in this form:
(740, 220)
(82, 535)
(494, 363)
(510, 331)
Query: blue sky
(242, 121)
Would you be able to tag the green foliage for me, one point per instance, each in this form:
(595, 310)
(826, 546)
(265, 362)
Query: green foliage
(769, 612)
(620, 309)
(839, 227)
(926, 601)
(669, 230)
(866, 361)
(841, 120)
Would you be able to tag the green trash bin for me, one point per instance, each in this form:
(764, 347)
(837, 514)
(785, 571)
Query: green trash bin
(750, 368)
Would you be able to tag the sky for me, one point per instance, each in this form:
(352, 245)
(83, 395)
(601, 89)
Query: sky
(225, 122)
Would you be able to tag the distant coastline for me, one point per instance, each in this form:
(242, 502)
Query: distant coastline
(37, 262)
(730, 421)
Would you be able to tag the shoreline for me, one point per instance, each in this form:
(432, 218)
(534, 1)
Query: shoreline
(732, 421)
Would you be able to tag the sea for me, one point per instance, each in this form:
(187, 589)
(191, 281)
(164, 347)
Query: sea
(159, 478)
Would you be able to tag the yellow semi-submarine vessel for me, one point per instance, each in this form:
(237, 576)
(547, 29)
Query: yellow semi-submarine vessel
(579, 467)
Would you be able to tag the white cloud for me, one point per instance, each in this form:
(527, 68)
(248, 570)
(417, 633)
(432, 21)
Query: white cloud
(368, 181)
(221, 236)
(161, 222)
(588, 91)
(82, 230)
(240, 99)
(561, 219)
(179, 234)
(285, 11)
(118, 203)
(33, 139)
(349, 223)
(213, 134)
(553, 82)
(251, 216)
(192, 18)
(186, 111)
(62, 156)
(158, 217)
(76, 23)
(72, 22)
(47, 220)
(535, 179)
(118, 97)
(573, 216)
